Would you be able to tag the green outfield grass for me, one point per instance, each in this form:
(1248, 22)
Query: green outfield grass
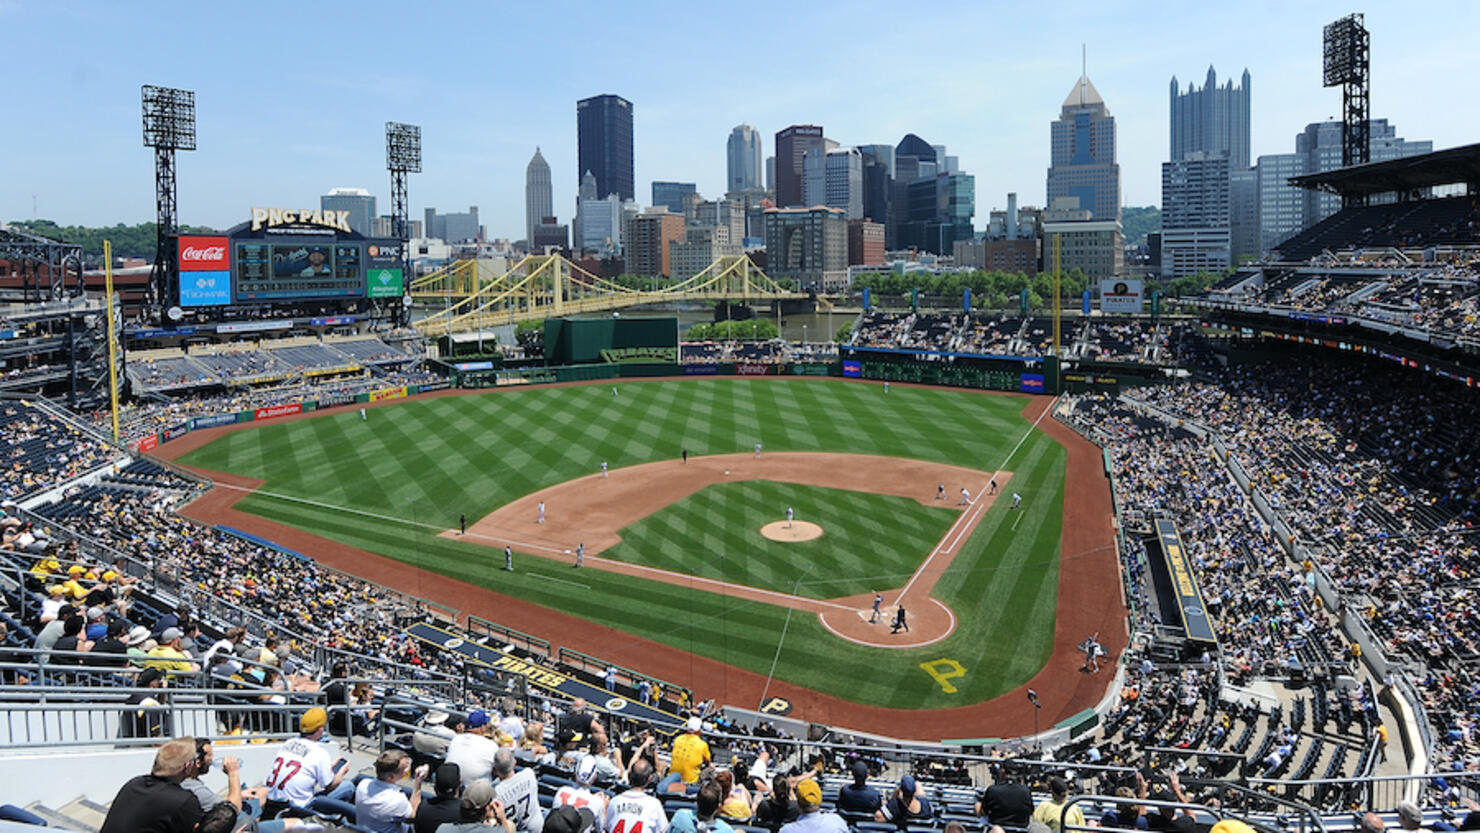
(869, 541)
(419, 464)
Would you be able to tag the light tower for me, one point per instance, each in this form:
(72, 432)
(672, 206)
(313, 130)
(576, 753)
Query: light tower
(1347, 63)
(169, 125)
(402, 157)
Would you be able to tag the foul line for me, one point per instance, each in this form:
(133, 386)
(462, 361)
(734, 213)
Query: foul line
(958, 529)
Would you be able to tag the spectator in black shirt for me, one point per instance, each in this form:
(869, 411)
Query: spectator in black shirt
(778, 808)
(156, 802)
(859, 797)
(1006, 803)
(443, 807)
(112, 650)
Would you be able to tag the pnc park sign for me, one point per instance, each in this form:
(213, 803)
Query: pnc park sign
(272, 217)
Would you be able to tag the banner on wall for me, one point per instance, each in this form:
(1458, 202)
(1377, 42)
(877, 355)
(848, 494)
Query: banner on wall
(387, 393)
(1121, 295)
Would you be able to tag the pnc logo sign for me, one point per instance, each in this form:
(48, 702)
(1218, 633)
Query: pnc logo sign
(385, 251)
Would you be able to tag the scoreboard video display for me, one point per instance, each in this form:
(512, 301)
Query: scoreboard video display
(292, 269)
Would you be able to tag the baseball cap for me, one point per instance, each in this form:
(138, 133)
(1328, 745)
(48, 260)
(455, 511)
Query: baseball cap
(448, 779)
(693, 725)
(477, 795)
(586, 771)
(312, 720)
(477, 719)
(1236, 826)
(907, 785)
(76, 570)
(171, 634)
(809, 794)
(109, 575)
(568, 819)
(147, 676)
(66, 611)
(55, 590)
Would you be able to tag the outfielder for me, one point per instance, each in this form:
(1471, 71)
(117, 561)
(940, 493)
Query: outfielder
(362, 415)
(508, 558)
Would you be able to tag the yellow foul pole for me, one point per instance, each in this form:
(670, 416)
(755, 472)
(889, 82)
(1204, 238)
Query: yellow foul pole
(112, 333)
(1057, 302)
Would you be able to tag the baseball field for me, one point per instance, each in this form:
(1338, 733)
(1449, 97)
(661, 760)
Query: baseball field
(674, 554)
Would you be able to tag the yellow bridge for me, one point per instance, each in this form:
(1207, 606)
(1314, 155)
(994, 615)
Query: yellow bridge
(547, 286)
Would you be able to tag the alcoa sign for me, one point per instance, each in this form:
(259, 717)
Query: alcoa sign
(270, 217)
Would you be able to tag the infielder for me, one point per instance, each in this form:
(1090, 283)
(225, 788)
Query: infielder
(965, 498)
(508, 558)
(542, 513)
(462, 524)
(603, 468)
(878, 600)
(940, 491)
(580, 553)
(1017, 500)
(757, 450)
(788, 517)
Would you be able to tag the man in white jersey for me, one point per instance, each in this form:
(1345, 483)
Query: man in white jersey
(473, 751)
(304, 769)
(519, 790)
(634, 811)
(582, 795)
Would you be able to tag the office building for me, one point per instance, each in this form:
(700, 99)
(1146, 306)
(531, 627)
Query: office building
(357, 201)
(1281, 206)
(646, 239)
(1196, 224)
(548, 234)
(671, 195)
(878, 180)
(834, 178)
(1211, 120)
(1243, 215)
(865, 243)
(744, 169)
(453, 228)
(1082, 153)
(604, 144)
(936, 212)
(601, 225)
(584, 193)
(1094, 247)
(728, 214)
(539, 196)
(914, 158)
(792, 145)
(771, 175)
(809, 245)
(700, 247)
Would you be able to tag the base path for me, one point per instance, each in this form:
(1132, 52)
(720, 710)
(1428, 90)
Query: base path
(1089, 600)
(594, 509)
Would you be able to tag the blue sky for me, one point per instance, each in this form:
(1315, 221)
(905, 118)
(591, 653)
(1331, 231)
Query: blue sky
(292, 97)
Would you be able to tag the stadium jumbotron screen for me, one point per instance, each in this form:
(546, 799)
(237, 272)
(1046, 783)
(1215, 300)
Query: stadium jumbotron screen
(286, 269)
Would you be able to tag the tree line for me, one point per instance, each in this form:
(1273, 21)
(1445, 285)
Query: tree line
(138, 240)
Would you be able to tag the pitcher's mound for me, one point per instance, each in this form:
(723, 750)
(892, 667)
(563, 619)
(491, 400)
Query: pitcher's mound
(798, 531)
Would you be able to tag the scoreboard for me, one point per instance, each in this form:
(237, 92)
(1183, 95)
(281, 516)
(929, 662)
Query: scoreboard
(285, 257)
(290, 270)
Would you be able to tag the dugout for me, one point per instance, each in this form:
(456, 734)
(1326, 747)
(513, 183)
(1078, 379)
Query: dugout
(611, 340)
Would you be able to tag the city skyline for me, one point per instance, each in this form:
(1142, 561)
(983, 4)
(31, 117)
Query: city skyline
(316, 121)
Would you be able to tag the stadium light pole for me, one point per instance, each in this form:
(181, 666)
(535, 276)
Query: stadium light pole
(402, 157)
(169, 125)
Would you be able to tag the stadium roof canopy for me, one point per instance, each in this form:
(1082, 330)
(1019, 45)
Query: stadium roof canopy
(1411, 173)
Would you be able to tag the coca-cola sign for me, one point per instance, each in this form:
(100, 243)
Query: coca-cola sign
(203, 254)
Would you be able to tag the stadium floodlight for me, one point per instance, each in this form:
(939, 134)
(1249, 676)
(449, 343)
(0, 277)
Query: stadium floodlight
(403, 147)
(169, 118)
(1346, 63)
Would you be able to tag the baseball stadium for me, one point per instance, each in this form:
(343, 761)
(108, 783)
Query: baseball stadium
(904, 551)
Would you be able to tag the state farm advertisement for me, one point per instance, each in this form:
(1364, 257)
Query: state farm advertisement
(278, 411)
(203, 254)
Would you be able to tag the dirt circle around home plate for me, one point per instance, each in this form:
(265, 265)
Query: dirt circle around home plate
(792, 531)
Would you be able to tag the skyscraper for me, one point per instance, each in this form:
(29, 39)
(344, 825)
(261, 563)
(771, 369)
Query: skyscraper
(604, 144)
(1211, 120)
(743, 160)
(1082, 153)
(792, 145)
(539, 197)
(671, 194)
(357, 201)
(1196, 223)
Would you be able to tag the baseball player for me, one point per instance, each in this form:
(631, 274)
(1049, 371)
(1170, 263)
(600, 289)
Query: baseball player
(462, 524)
(614, 391)
(362, 415)
(542, 513)
(965, 498)
(878, 600)
(1017, 500)
(789, 515)
(603, 468)
(685, 456)
(899, 621)
(757, 450)
(940, 491)
(580, 553)
(508, 558)
(886, 387)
